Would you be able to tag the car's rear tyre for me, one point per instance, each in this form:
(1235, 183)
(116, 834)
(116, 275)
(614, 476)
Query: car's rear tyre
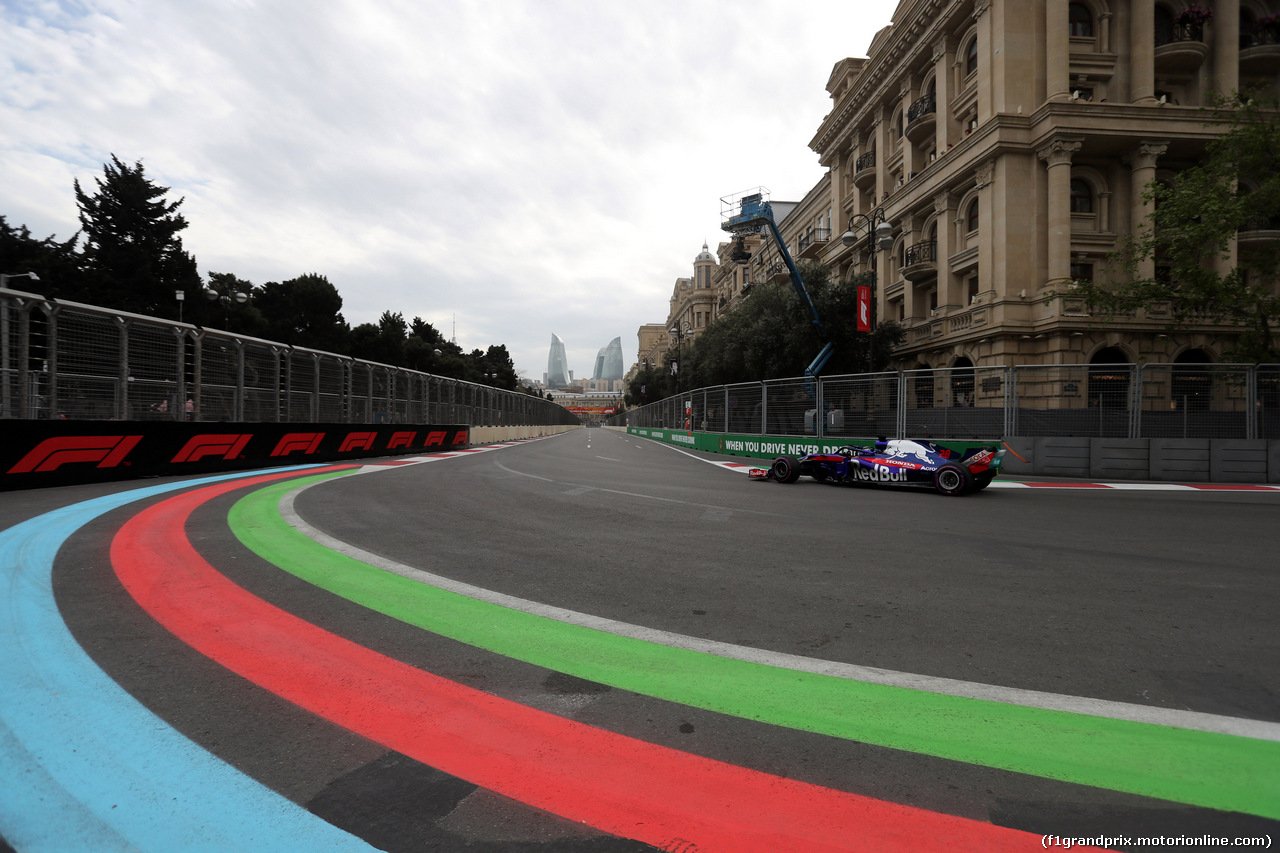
(981, 481)
(952, 480)
(785, 469)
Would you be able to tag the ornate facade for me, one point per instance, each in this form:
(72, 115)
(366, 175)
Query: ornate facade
(1008, 143)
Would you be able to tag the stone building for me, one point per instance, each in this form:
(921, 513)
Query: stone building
(1007, 143)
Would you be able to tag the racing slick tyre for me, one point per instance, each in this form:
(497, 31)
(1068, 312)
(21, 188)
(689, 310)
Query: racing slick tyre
(981, 481)
(952, 480)
(785, 469)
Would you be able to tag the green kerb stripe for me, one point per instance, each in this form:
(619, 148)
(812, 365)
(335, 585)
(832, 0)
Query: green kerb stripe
(1207, 769)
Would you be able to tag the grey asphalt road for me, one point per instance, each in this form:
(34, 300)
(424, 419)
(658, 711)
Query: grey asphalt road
(1158, 599)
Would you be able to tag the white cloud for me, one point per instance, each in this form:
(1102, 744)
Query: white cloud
(530, 166)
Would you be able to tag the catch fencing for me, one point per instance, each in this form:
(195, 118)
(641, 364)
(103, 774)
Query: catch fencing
(64, 360)
(1213, 401)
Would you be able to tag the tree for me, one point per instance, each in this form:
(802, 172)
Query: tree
(305, 311)
(771, 336)
(1203, 270)
(133, 257)
(57, 264)
(384, 342)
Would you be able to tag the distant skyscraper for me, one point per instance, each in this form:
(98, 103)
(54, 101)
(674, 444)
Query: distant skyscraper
(557, 364)
(609, 362)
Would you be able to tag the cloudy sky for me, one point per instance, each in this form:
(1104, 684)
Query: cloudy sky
(515, 167)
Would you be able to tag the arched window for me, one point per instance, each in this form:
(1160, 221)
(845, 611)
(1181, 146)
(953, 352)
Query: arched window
(922, 380)
(962, 382)
(971, 57)
(1079, 20)
(1248, 26)
(1081, 196)
(1109, 385)
(971, 216)
(1163, 25)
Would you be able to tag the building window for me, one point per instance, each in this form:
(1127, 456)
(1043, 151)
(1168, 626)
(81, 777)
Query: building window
(973, 289)
(1081, 196)
(1079, 21)
(1082, 272)
(971, 216)
(971, 57)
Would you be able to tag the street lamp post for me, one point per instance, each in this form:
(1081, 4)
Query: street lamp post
(237, 296)
(879, 234)
(4, 277)
(679, 334)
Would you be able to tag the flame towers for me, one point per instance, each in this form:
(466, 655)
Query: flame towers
(609, 365)
(557, 364)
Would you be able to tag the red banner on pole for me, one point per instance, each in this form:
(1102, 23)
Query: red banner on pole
(864, 308)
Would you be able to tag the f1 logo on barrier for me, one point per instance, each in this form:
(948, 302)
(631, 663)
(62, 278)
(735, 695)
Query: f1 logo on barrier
(401, 439)
(229, 446)
(306, 442)
(436, 438)
(107, 450)
(358, 441)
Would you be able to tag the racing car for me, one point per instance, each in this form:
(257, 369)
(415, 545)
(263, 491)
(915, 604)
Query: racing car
(898, 462)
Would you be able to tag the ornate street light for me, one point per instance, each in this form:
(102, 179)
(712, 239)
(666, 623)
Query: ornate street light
(879, 235)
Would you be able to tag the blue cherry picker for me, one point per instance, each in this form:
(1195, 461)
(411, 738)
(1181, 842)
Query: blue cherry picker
(749, 212)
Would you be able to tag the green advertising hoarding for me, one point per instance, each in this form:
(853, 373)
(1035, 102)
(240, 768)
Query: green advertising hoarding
(767, 446)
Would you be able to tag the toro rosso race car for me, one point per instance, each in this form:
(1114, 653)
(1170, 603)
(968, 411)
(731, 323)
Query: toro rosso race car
(897, 462)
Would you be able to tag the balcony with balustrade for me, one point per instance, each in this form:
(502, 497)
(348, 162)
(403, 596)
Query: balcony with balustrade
(920, 261)
(864, 171)
(1180, 47)
(813, 241)
(1260, 47)
(922, 119)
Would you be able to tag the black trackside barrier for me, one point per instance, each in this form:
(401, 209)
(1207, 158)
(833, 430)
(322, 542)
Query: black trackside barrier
(36, 454)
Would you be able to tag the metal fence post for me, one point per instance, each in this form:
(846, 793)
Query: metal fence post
(1010, 401)
(1135, 402)
(764, 408)
(1252, 404)
(197, 373)
(121, 407)
(237, 404)
(819, 413)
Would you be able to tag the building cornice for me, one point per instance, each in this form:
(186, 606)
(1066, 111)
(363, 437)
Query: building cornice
(907, 39)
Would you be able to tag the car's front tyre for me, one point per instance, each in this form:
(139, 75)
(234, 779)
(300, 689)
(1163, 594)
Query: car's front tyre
(786, 469)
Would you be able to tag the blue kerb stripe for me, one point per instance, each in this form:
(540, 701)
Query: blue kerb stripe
(83, 765)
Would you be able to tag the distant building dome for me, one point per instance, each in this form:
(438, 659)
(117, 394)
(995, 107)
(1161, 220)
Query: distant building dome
(704, 256)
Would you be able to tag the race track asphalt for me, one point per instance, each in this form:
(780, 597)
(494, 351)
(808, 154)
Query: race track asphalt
(985, 661)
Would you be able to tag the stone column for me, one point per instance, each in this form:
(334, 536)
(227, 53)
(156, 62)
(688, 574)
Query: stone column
(986, 71)
(949, 291)
(1142, 52)
(1057, 157)
(989, 242)
(1057, 51)
(943, 57)
(1226, 46)
(1142, 161)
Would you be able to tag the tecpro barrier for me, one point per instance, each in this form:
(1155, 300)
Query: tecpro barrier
(36, 454)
